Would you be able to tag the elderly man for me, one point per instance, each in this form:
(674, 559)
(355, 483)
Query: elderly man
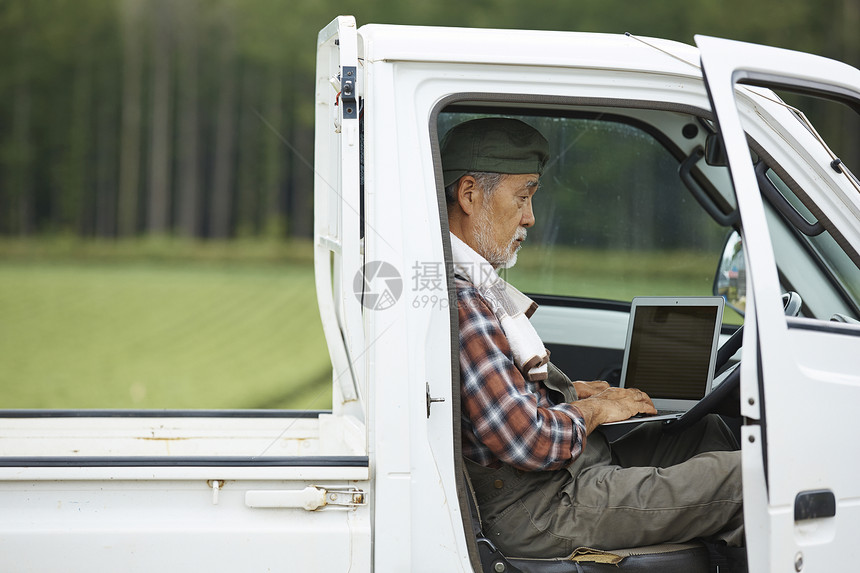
(546, 478)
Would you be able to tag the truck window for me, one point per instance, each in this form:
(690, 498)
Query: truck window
(837, 262)
(812, 255)
(613, 218)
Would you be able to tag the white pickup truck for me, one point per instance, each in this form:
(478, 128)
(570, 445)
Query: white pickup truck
(661, 182)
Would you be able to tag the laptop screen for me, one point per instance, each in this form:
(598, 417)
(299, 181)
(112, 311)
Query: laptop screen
(671, 346)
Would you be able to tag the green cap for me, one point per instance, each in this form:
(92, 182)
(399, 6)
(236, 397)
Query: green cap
(493, 145)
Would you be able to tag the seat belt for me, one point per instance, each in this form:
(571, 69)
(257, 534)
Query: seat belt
(473, 506)
(492, 560)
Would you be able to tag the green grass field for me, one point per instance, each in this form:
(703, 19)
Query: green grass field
(177, 324)
(616, 275)
(160, 325)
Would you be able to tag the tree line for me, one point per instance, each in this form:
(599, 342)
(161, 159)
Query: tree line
(194, 118)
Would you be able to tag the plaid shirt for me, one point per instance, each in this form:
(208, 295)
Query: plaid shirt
(506, 418)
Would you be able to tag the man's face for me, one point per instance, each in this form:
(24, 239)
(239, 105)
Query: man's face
(501, 221)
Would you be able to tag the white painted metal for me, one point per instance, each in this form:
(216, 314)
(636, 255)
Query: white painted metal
(810, 371)
(168, 525)
(325, 434)
(337, 253)
(595, 328)
(63, 515)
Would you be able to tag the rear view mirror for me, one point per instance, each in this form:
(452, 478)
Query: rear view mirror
(731, 280)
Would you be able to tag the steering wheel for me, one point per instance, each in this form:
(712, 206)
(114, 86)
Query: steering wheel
(730, 386)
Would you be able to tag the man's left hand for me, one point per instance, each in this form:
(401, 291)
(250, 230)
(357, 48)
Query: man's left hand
(587, 389)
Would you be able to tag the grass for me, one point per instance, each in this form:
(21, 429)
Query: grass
(617, 275)
(160, 324)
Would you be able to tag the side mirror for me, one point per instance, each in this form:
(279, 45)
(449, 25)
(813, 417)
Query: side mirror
(731, 280)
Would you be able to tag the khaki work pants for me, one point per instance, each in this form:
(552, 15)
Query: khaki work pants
(646, 488)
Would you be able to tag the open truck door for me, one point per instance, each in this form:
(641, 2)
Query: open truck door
(800, 378)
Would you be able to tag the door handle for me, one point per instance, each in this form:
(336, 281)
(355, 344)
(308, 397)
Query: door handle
(814, 504)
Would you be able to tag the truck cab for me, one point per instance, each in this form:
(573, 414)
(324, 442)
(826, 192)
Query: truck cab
(674, 170)
(660, 183)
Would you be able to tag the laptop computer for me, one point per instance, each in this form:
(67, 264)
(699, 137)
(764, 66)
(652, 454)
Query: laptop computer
(671, 351)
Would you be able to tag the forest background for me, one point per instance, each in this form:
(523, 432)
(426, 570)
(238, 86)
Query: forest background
(195, 118)
(156, 182)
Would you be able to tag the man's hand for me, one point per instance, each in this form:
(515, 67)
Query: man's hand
(588, 389)
(613, 405)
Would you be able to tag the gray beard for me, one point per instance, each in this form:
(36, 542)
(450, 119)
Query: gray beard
(500, 257)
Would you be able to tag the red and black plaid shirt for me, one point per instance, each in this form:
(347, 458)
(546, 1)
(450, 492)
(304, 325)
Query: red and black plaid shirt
(505, 417)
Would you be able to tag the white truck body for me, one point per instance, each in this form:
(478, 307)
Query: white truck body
(376, 484)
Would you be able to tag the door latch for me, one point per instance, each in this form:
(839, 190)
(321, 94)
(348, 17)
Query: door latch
(311, 498)
(431, 400)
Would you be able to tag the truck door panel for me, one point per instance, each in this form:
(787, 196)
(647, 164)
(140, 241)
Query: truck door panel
(800, 388)
(119, 491)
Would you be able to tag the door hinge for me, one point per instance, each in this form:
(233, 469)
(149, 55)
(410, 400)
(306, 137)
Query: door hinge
(311, 498)
(348, 95)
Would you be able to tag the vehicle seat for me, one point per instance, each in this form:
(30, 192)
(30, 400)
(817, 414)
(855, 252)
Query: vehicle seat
(667, 558)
